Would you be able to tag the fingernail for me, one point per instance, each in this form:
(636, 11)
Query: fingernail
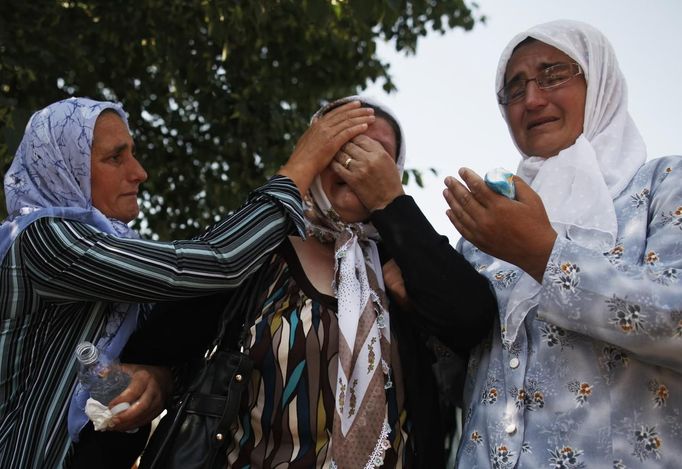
(120, 407)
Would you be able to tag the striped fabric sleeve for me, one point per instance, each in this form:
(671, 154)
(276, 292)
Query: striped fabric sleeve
(282, 191)
(70, 261)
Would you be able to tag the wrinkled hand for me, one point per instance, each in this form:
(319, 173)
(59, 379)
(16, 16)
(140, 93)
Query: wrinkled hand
(147, 392)
(318, 145)
(393, 279)
(517, 231)
(372, 173)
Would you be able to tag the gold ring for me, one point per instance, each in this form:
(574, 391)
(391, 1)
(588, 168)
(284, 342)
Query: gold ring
(347, 163)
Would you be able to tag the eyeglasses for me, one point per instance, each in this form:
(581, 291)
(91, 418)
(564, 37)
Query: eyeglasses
(548, 78)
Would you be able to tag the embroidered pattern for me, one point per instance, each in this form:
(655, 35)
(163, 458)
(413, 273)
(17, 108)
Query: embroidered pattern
(501, 457)
(651, 258)
(673, 217)
(505, 278)
(660, 393)
(489, 394)
(613, 357)
(566, 458)
(647, 443)
(581, 390)
(371, 356)
(342, 395)
(666, 277)
(564, 275)
(531, 398)
(353, 398)
(377, 457)
(555, 335)
(640, 198)
(628, 316)
(615, 255)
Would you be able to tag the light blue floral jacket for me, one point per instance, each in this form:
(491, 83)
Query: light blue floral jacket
(594, 378)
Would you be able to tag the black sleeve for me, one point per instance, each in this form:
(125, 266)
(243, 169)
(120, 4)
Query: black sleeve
(451, 300)
(176, 332)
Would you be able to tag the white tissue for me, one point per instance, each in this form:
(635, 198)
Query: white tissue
(101, 415)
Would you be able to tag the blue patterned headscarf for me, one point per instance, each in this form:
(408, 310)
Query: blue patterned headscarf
(50, 173)
(50, 177)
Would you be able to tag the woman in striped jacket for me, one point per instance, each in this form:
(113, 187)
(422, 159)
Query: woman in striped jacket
(72, 270)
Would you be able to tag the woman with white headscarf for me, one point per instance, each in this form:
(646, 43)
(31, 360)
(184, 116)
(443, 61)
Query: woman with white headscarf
(72, 269)
(584, 367)
(342, 377)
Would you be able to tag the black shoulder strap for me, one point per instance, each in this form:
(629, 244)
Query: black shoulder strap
(242, 304)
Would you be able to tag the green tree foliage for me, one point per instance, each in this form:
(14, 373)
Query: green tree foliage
(217, 91)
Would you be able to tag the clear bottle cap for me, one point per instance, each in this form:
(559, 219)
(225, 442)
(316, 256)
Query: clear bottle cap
(87, 353)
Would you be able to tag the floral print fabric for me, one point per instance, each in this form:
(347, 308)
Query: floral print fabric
(594, 377)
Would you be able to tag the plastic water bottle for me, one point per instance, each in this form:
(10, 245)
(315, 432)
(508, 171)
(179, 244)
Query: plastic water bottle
(99, 374)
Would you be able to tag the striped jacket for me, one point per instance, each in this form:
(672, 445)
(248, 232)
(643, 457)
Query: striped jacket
(60, 278)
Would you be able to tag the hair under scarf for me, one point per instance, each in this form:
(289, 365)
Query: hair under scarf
(50, 177)
(578, 185)
(360, 427)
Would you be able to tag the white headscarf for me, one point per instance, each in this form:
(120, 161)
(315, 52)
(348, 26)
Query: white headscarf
(360, 429)
(578, 185)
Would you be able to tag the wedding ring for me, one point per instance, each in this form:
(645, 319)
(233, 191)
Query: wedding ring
(347, 163)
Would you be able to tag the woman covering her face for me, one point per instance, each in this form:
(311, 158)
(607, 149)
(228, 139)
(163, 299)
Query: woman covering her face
(72, 270)
(585, 364)
(342, 377)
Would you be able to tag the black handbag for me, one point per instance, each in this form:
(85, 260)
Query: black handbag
(196, 430)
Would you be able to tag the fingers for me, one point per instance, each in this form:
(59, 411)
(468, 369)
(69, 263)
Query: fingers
(363, 142)
(360, 148)
(134, 390)
(347, 133)
(347, 121)
(349, 110)
(372, 176)
(460, 201)
(525, 194)
(344, 160)
(323, 139)
(477, 186)
(342, 157)
(462, 228)
(146, 394)
(459, 197)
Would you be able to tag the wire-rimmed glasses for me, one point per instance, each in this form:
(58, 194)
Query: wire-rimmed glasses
(548, 78)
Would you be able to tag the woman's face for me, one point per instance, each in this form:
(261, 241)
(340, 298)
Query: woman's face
(115, 173)
(343, 199)
(544, 122)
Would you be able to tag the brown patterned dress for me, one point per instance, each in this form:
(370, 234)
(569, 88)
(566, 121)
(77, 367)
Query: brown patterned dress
(286, 415)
